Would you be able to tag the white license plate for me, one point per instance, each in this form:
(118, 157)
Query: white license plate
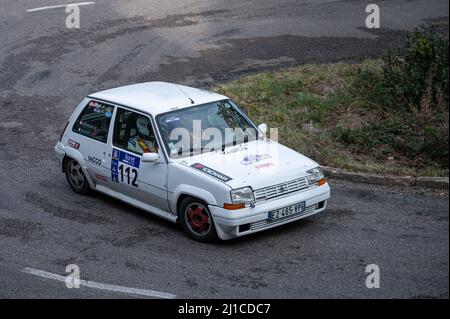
(286, 211)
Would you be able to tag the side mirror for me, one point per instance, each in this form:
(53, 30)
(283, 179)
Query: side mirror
(263, 128)
(150, 157)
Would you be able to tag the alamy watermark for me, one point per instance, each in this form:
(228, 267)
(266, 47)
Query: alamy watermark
(73, 19)
(73, 14)
(73, 279)
(373, 277)
(72, 11)
(373, 17)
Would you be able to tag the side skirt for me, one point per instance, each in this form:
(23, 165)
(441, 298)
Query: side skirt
(138, 204)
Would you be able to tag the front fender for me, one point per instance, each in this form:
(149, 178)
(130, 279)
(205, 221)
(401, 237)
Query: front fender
(193, 191)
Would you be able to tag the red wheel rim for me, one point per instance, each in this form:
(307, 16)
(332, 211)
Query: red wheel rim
(198, 219)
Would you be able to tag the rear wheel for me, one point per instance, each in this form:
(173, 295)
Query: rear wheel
(75, 177)
(196, 220)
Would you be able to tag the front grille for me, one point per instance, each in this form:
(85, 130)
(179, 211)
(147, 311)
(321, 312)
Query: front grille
(266, 223)
(281, 189)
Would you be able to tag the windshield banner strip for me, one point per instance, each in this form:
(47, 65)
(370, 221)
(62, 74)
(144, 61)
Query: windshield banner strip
(213, 173)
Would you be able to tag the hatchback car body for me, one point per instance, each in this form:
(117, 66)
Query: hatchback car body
(174, 151)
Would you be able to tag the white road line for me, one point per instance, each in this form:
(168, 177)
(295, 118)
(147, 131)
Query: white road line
(60, 6)
(96, 285)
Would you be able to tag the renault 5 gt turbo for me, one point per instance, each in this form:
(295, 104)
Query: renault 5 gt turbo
(190, 156)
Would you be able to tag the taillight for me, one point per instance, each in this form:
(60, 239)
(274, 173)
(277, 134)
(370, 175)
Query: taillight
(62, 133)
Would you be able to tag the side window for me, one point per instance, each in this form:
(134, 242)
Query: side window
(94, 121)
(134, 132)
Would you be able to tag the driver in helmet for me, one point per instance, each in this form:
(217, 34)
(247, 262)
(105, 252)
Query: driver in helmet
(144, 141)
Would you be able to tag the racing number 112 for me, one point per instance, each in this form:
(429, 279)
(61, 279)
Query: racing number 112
(127, 171)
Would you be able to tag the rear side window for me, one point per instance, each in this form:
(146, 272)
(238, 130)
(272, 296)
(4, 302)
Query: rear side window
(94, 121)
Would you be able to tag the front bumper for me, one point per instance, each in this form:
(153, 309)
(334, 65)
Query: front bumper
(235, 223)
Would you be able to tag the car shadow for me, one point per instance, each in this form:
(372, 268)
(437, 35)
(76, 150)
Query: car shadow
(251, 239)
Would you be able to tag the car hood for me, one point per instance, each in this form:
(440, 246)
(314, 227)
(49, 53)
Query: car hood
(257, 164)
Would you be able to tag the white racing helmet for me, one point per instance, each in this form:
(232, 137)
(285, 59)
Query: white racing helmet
(143, 126)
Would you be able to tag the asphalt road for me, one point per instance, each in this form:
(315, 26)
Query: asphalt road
(46, 69)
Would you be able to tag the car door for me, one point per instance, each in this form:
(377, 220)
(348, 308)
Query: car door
(92, 127)
(131, 176)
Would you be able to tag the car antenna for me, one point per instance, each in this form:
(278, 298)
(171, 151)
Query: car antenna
(179, 88)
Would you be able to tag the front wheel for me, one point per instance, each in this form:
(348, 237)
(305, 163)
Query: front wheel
(75, 177)
(196, 220)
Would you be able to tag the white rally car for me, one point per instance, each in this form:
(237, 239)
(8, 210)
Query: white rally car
(179, 153)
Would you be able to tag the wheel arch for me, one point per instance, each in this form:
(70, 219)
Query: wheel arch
(63, 163)
(183, 196)
(80, 160)
(182, 192)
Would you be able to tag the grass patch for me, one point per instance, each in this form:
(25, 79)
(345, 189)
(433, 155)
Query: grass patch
(387, 116)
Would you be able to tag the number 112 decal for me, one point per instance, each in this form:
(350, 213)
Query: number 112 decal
(124, 168)
(133, 179)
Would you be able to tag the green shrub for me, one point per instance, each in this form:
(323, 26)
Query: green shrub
(421, 65)
(410, 86)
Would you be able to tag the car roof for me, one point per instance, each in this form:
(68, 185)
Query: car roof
(157, 97)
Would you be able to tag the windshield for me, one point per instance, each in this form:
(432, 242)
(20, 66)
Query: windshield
(204, 128)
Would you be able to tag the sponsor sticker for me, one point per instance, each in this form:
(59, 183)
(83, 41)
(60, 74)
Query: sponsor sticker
(95, 160)
(124, 167)
(263, 165)
(213, 173)
(100, 177)
(100, 108)
(172, 119)
(250, 159)
(235, 149)
(115, 155)
(73, 144)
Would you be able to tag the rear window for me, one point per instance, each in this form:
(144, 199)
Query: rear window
(94, 121)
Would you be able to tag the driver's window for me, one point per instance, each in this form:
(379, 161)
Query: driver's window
(134, 132)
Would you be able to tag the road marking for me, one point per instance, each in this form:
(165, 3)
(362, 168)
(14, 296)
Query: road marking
(96, 285)
(60, 6)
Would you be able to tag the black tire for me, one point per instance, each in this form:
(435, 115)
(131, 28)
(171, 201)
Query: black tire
(75, 177)
(196, 220)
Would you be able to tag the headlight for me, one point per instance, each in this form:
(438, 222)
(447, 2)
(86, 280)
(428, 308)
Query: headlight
(242, 195)
(315, 175)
